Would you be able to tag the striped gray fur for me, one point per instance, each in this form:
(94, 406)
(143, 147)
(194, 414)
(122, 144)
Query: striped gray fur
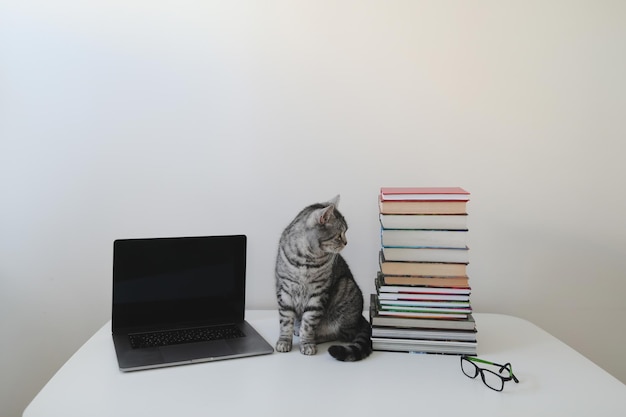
(318, 298)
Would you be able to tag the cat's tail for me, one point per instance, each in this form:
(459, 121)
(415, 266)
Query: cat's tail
(359, 348)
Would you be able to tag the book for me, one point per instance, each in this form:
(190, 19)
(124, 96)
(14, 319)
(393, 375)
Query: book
(376, 319)
(422, 207)
(399, 283)
(424, 346)
(424, 193)
(412, 309)
(445, 255)
(424, 334)
(420, 289)
(425, 299)
(392, 306)
(421, 268)
(424, 238)
(424, 221)
(437, 291)
(424, 323)
(424, 306)
(403, 292)
(441, 316)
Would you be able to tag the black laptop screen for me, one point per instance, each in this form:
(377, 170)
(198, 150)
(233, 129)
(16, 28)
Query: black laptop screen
(178, 281)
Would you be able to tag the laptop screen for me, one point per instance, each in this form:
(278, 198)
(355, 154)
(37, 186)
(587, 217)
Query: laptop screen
(170, 282)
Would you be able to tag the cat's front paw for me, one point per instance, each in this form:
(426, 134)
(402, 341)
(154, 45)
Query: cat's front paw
(308, 348)
(283, 345)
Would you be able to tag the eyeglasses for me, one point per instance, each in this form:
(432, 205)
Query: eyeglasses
(493, 380)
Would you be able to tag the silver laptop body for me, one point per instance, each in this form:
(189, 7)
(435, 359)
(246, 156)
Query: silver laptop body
(181, 300)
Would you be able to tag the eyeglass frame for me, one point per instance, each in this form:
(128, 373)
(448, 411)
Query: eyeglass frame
(479, 370)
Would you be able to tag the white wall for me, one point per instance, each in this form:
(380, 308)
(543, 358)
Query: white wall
(137, 118)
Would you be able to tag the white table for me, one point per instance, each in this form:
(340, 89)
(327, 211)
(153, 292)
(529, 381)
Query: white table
(554, 379)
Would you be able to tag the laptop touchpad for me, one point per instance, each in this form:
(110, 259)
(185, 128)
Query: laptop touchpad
(192, 351)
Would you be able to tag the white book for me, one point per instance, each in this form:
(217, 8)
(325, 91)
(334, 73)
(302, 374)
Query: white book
(444, 255)
(424, 238)
(424, 221)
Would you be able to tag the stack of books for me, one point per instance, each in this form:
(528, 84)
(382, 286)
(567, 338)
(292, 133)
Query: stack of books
(422, 300)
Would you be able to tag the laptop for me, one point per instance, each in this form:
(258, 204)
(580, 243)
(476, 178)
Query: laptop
(181, 300)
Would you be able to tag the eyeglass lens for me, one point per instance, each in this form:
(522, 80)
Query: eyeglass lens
(469, 368)
(491, 379)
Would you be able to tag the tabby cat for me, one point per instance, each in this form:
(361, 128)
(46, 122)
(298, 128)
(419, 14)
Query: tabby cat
(318, 298)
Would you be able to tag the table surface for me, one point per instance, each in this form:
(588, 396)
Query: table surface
(555, 380)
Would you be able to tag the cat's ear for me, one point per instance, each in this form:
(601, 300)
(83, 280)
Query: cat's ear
(334, 201)
(325, 214)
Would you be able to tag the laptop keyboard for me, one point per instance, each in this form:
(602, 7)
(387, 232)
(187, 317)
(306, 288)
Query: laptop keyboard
(177, 337)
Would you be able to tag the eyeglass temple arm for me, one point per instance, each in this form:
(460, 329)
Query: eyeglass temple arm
(509, 368)
(473, 359)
